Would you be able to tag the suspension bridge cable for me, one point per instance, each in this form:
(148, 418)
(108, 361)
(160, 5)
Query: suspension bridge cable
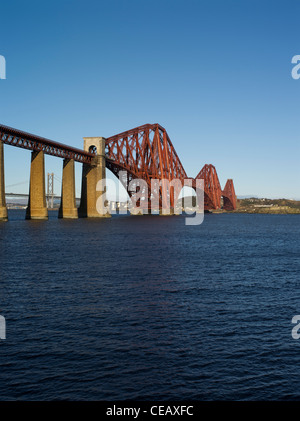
(17, 184)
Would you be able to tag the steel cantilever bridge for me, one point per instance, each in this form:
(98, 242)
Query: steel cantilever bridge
(145, 152)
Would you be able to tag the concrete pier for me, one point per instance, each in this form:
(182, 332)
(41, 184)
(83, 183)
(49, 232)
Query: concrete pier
(37, 208)
(91, 175)
(68, 207)
(3, 209)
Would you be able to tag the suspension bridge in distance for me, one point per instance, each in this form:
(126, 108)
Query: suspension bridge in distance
(50, 195)
(145, 152)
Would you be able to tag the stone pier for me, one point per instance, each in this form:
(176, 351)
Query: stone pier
(68, 207)
(91, 175)
(3, 209)
(37, 208)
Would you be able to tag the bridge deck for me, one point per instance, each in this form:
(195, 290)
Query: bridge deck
(32, 142)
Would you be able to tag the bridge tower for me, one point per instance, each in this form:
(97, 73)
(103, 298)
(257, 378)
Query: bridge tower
(3, 209)
(91, 175)
(50, 190)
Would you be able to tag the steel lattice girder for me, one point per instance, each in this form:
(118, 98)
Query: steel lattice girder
(212, 187)
(32, 142)
(229, 196)
(147, 153)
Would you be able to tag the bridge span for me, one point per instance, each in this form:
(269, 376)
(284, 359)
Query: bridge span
(145, 152)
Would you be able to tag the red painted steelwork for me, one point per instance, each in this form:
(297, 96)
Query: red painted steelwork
(212, 187)
(229, 196)
(32, 142)
(147, 153)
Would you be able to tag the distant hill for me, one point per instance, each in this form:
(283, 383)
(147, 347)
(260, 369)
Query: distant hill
(260, 205)
(264, 205)
(247, 197)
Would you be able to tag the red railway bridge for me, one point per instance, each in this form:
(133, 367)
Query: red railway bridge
(144, 153)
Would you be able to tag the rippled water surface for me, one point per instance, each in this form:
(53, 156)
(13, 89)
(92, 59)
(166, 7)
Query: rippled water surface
(149, 308)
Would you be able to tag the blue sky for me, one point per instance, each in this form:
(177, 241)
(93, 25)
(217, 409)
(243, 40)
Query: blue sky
(216, 74)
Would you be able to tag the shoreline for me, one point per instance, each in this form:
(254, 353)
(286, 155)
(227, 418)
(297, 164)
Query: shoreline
(248, 212)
